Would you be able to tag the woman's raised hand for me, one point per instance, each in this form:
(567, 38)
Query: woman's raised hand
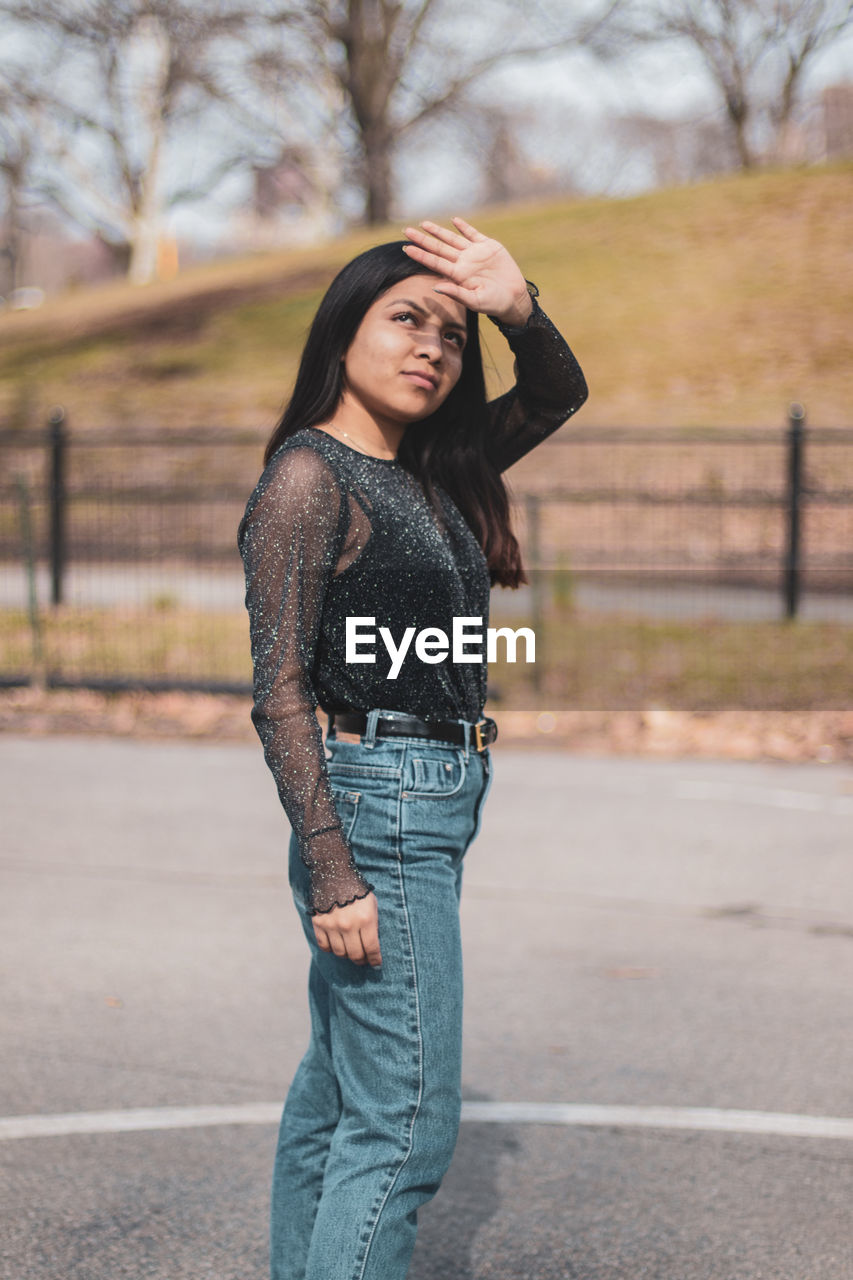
(479, 272)
(351, 931)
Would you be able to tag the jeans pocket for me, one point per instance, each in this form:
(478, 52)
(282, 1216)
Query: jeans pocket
(442, 775)
(481, 799)
(346, 806)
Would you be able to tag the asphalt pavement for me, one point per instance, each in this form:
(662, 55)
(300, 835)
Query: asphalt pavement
(664, 948)
(102, 586)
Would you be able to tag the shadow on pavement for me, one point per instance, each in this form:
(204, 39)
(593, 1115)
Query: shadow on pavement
(469, 1197)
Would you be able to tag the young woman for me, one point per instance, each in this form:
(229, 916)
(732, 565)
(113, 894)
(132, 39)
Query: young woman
(382, 500)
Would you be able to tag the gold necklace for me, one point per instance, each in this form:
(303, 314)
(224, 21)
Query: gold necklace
(333, 427)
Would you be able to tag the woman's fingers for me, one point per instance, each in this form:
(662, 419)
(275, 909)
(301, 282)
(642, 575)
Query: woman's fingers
(440, 236)
(441, 240)
(370, 943)
(351, 931)
(467, 297)
(365, 933)
(329, 939)
(431, 244)
(431, 260)
(354, 947)
(337, 943)
(470, 233)
(322, 937)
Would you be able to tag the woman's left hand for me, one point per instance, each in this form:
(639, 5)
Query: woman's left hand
(479, 272)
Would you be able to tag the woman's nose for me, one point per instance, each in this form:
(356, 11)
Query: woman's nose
(428, 346)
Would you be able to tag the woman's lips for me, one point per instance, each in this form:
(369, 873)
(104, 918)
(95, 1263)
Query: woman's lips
(425, 380)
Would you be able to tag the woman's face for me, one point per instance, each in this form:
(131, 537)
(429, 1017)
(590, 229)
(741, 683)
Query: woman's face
(406, 356)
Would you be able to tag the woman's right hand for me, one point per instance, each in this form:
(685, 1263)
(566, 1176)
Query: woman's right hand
(351, 931)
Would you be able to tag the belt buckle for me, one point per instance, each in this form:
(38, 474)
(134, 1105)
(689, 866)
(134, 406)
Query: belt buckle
(479, 744)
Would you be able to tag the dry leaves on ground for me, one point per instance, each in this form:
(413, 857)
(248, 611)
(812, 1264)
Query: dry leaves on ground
(824, 736)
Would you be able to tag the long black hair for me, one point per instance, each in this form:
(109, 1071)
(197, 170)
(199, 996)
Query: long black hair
(449, 446)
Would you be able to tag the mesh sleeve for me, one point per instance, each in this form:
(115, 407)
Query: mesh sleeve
(289, 538)
(549, 388)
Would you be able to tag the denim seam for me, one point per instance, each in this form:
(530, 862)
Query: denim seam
(343, 767)
(480, 805)
(360, 1273)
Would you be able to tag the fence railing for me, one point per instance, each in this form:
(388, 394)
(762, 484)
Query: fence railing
(107, 538)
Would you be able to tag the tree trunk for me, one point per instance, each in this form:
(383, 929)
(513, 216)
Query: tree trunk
(744, 152)
(377, 168)
(146, 222)
(10, 249)
(150, 98)
(737, 110)
(15, 168)
(782, 116)
(372, 73)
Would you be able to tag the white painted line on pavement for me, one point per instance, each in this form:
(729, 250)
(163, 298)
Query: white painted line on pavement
(708, 1118)
(711, 1119)
(138, 1119)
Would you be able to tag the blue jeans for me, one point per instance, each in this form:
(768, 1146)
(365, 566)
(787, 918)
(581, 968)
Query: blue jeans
(372, 1115)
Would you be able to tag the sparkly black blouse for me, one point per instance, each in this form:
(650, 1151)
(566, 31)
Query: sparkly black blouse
(331, 533)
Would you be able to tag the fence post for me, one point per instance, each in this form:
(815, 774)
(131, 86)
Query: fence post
(796, 426)
(24, 504)
(57, 442)
(531, 502)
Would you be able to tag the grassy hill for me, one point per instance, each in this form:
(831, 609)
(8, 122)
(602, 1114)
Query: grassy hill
(716, 303)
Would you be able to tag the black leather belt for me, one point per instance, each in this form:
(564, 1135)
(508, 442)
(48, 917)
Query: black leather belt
(462, 733)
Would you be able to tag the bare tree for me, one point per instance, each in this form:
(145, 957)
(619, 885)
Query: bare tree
(683, 149)
(805, 28)
(136, 73)
(755, 52)
(399, 63)
(16, 148)
(507, 149)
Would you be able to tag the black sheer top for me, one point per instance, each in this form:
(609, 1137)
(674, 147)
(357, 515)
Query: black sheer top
(331, 533)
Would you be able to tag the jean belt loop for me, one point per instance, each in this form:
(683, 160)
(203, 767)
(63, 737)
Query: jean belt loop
(369, 735)
(465, 736)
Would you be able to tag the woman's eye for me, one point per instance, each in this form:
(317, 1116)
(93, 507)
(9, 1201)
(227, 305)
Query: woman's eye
(453, 335)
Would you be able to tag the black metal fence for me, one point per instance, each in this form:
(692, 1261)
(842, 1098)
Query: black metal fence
(119, 565)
